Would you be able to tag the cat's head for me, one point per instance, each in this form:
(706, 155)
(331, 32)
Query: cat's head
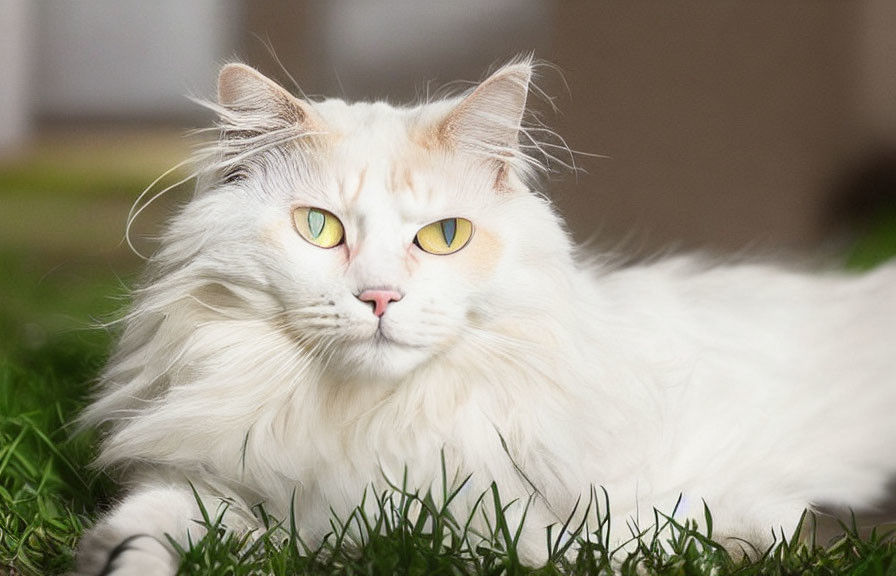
(385, 235)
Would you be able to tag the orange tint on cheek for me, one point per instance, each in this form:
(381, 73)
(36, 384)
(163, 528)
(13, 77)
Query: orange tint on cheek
(272, 233)
(411, 261)
(482, 254)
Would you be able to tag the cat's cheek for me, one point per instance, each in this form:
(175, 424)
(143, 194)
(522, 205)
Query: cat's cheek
(273, 235)
(282, 238)
(482, 256)
(412, 260)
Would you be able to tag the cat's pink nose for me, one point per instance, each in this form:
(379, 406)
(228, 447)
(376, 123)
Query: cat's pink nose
(380, 299)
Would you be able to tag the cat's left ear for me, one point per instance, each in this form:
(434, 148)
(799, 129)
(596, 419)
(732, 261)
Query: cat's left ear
(259, 102)
(489, 119)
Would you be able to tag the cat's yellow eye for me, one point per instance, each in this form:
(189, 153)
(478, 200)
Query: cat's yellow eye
(445, 236)
(318, 226)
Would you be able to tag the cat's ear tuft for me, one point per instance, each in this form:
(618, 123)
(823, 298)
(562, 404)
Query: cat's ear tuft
(249, 94)
(490, 117)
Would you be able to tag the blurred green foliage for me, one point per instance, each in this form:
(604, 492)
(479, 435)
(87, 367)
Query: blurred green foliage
(876, 244)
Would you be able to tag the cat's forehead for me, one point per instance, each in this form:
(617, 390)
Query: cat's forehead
(380, 148)
(380, 127)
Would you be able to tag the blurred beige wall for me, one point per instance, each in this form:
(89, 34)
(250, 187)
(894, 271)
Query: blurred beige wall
(725, 124)
(876, 82)
(15, 61)
(127, 60)
(393, 49)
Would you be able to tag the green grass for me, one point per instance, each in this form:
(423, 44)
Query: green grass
(48, 356)
(48, 495)
(410, 534)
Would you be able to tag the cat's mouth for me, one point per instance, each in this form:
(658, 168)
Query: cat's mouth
(382, 338)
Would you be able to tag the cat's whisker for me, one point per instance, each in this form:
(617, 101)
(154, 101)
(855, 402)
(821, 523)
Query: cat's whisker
(326, 352)
(132, 215)
(295, 364)
(233, 158)
(311, 314)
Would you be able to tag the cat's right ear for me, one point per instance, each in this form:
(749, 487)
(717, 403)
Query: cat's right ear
(259, 103)
(490, 117)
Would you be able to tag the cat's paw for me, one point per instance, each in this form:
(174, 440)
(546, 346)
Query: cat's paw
(138, 555)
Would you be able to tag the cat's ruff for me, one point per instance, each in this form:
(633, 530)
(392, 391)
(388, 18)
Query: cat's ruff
(260, 365)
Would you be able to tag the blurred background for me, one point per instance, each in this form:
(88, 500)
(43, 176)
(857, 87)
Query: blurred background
(761, 126)
(764, 126)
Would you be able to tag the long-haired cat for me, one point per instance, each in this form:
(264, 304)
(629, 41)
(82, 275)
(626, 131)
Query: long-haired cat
(359, 291)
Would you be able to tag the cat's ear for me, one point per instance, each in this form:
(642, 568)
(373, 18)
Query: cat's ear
(259, 101)
(490, 117)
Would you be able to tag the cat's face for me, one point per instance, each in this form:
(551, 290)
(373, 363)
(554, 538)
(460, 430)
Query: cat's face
(384, 190)
(385, 234)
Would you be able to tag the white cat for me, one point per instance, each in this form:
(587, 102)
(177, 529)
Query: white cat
(357, 290)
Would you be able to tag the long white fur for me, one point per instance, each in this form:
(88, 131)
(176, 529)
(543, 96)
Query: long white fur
(248, 369)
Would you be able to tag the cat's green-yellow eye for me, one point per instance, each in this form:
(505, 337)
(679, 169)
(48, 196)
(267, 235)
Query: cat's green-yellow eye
(445, 236)
(318, 226)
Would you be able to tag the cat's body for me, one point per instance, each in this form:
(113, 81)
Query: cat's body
(252, 368)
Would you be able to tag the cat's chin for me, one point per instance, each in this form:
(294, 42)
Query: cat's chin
(382, 358)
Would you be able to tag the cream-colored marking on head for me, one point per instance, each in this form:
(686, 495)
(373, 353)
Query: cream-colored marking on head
(359, 185)
(272, 233)
(401, 178)
(485, 250)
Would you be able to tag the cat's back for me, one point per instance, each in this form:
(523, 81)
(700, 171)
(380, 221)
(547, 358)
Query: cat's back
(758, 367)
(751, 330)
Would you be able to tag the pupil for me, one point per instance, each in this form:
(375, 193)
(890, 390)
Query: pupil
(315, 222)
(449, 229)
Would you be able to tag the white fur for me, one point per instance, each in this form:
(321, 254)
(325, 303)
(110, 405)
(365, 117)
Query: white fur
(248, 368)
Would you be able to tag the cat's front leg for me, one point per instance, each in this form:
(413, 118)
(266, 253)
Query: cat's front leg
(133, 538)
